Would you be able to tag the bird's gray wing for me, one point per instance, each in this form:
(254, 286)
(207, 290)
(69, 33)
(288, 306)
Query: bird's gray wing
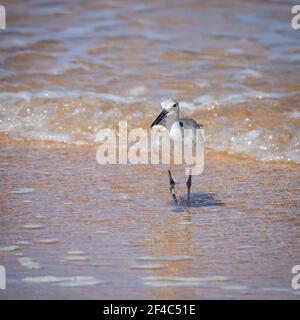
(190, 124)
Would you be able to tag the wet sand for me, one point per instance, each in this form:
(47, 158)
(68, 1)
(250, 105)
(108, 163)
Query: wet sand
(112, 232)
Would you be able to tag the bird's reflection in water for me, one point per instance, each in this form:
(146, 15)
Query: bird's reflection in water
(171, 244)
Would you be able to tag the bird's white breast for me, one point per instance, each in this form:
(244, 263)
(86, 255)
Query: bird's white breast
(176, 131)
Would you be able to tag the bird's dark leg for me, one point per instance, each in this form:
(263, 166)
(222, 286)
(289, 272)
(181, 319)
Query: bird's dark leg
(189, 184)
(172, 187)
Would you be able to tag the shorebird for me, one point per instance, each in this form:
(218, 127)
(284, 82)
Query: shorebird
(170, 119)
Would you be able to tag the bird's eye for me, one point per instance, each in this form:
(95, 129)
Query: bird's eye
(175, 105)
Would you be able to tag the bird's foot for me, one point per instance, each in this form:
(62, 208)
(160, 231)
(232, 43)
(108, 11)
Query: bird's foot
(173, 193)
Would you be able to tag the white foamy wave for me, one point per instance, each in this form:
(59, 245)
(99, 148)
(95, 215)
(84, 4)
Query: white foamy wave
(61, 94)
(235, 123)
(57, 116)
(260, 143)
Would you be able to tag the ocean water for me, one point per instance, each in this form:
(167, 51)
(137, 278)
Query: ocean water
(70, 68)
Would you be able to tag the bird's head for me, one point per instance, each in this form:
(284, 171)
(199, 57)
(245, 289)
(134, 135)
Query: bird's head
(169, 107)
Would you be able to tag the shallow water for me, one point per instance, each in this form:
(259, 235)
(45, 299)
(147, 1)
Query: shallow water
(113, 232)
(68, 69)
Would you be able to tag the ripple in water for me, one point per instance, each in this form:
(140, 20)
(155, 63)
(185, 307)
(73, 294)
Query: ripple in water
(23, 190)
(76, 281)
(8, 248)
(160, 281)
(32, 226)
(167, 258)
(29, 263)
(48, 241)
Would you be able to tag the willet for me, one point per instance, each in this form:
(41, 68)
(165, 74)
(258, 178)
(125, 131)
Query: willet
(170, 119)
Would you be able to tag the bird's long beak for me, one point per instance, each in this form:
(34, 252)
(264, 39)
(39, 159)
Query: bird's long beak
(160, 118)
